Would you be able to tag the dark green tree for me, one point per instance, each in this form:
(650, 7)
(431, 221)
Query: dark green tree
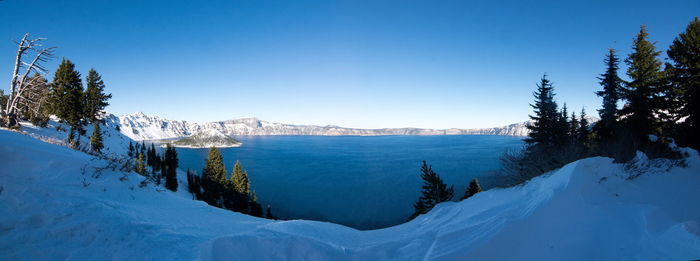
(213, 177)
(96, 138)
(641, 93)
(545, 122)
(684, 52)
(612, 86)
(474, 188)
(434, 191)
(574, 126)
(170, 167)
(583, 132)
(562, 130)
(141, 165)
(95, 98)
(239, 178)
(67, 99)
(132, 151)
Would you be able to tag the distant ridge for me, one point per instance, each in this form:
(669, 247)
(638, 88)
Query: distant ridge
(140, 126)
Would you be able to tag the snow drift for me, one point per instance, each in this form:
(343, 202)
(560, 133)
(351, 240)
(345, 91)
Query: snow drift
(54, 204)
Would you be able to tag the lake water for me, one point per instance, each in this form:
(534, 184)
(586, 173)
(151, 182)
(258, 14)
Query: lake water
(362, 182)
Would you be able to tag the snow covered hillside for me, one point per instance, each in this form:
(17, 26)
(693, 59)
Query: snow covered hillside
(53, 205)
(140, 126)
(206, 139)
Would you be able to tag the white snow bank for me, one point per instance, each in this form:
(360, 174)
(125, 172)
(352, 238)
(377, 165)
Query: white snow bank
(587, 210)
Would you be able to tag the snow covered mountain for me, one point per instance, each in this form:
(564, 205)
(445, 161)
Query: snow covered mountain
(140, 126)
(207, 138)
(58, 203)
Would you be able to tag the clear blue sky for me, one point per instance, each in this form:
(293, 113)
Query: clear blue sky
(370, 64)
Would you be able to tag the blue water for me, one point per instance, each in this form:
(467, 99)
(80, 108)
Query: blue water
(362, 182)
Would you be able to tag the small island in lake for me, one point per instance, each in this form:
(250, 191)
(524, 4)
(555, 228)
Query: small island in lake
(205, 139)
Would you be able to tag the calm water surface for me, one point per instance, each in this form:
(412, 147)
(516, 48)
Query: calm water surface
(362, 182)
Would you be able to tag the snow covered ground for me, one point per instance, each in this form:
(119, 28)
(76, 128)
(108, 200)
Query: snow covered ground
(54, 206)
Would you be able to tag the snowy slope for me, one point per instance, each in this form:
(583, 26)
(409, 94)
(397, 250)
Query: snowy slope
(140, 126)
(587, 210)
(206, 139)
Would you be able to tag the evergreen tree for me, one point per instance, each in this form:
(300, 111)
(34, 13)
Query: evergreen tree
(685, 54)
(474, 188)
(170, 167)
(141, 165)
(641, 92)
(562, 134)
(96, 138)
(546, 118)
(583, 131)
(434, 191)
(67, 99)
(214, 177)
(131, 150)
(574, 126)
(612, 86)
(142, 151)
(95, 98)
(239, 178)
(194, 185)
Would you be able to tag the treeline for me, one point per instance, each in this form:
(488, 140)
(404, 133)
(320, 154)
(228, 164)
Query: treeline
(217, 190)
(34, 99)
(660, 106)
(146, 161)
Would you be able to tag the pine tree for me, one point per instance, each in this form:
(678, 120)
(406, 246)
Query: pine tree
(583, 130)
(474, 188)
(562, 134)
(434, 191)
(685, 54)
(213, 177)
(546, 118)
(641, 92)
(612, 86)
(239, 177)
(171, 164)
(67, 99)
(574, 126)
(141, 165)
(95, 98)
(214, 166)
(96, 138)
(131, 150)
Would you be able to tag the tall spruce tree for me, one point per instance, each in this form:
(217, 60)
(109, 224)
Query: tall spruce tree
(612, 86)
(170, 167)
(67, 99)
(562, 133)
(473, 188)
(240, 181)
(96, 138)
(131, 151)
(545, 122)
(685, 54)
(641, 93)
(434, 191)
(213, 177)
(95, 98)
(574, 126)
(583, 131)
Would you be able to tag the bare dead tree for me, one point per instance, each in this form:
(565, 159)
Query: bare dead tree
(21, 82)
